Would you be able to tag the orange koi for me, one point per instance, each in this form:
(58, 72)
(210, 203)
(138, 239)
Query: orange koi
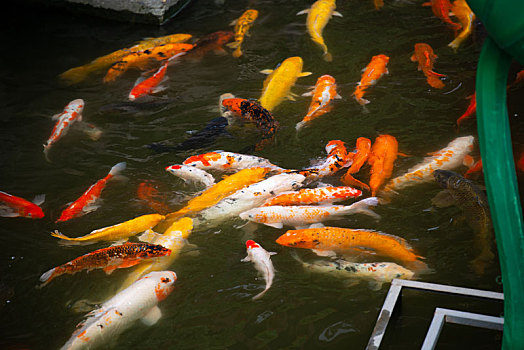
(212, 42)
(472, 109)
(108, 259)
(363, 149)
(345, 240)
(87, 201)
(426, 57)
(337, 159)
(372, 73)
(148, 193)
(242, 25)
(150, 85)
(321, 195)
(13, 206)
(324, 91)
(466, 17)
(474, 167)
(141, 59)
(441, 9)
(382, 157)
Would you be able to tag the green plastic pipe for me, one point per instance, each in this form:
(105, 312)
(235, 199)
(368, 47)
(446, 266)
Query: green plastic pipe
(500, 177)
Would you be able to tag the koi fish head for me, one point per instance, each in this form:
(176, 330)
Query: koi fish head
(250, 15)
(335, 145)
(326, 79)
(294, 61)
(75, 106)
(165, 283)
(381, 58)
(205, 159)
(297, 239)
(232, 105)
(250, 244)
(153, 251)
(34, 212)
(443, 177)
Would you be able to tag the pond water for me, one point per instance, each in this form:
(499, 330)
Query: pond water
(211, 306)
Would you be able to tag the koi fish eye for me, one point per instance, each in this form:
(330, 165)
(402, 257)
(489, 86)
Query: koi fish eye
(165, 280)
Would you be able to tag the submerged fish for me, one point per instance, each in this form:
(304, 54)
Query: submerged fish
(148, 193)
(277, 85)
(262, 260)
(303, 215)
(426, 58)
(441, 9)
(242, 25)
(211, 42)
(472, 109)
(87, 201)
(138, 301)
(317, 17)
(471, 199)
(116, 232)
(324, 92)
(371, 74)
(320, 195)
(466, 17)
(382, 158)
(363, 150)
(228, 161)
(109, 259)
(13, 206)
(192, 174)
(336, 159)
(72, 113)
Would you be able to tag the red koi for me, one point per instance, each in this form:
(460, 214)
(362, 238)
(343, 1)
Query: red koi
(472, 109)
(441, 9)
(13, 206)
(363, 147)
(148, 193)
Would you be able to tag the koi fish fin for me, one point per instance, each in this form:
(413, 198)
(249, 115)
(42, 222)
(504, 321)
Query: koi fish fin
(362, 101)
(328, 57)
(303, 12)
(301, 227)
(275, 224)
(310, 93)
(233, 22)
(39, 199)
(363, 205)
(291, 97)
(56, 116)
(272, 253)
(413, 58)
(159, 88)
(338, 97)
(443, 199)
(47, 276)
(237, 53)
(109, 269)
(266, 71)
(435, 82)
(90, 130)
(304, 74)
(246, 259)
(435, 74)
(336, 13)
(92, 207)
(317, 225)
(152, 316)
(349, 180)
(234, 44)
(404, 154)
(8, 212)
(327, 253)
(148, 236)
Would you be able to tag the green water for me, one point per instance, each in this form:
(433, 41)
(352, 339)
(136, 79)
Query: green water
(211, 307)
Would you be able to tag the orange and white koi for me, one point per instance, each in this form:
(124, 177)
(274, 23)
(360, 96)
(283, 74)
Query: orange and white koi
(466, 17)
(448, 158)
(371, 74)
(337, 159)
(441, 9)
(72, 113)
(242, 25)
(228, 161)
(382, 158)
(324, 91)
(363, 150)
(317, 17)
(138, 301)
(320, 195)
(192, 174)
(346, 240)
(299, 216)
(116, 232)
(108, 259)
(472, 109)
(13, 206)
(262, 260)
(426, 58)
(86, 203)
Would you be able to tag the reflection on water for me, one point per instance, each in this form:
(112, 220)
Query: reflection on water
(211, 306)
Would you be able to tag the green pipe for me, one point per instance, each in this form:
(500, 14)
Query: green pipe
(501, 183)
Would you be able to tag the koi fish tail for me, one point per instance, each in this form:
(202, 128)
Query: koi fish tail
(46, 153)
(117, 169)
(363, 205)
(328, 57)
(48, 276)
(259, 295)
(349, 180)
(61, 236)
(237, 53)
(434, 81)
(435, 74)
(300, 125)
(76, 75)
(233, 45)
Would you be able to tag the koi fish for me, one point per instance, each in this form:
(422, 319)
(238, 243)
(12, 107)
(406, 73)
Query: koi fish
(371, 74)
(277, 85)
(441, 9)
(317, 17)
(77, 74)
(147, 192)
(346, 240)
(116, 232)
(174, 239)
(324, 91)
(450, 157)
(363, 149)
(211, 42)
(141, 59)
(262, 260)
(13, 206)
(320, 195)
(337, 159)
(251, 111)
(474, 167)
(109, 259)
(378, 272)
(426, 57)
(228, 161)
(472, 109)
(471, 199)
(221, 190)
(248, 197)
(192, 174)
(72, 113)
(150, 85)
(378, 4)
(299, 216)
(382, 158)
(138, 301)
(466, 17)
(86, 203)
(242, 25)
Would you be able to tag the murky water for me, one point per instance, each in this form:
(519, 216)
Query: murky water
(211, 307)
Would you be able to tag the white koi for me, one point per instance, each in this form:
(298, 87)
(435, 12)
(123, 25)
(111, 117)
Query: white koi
(228, 161)
(192, 174)
(262, 260)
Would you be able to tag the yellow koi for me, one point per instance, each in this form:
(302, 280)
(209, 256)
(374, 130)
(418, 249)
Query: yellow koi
(318, 16)
(77, 74)
(242, 25)
(279, 82)
(117, 232)
(466, 17)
